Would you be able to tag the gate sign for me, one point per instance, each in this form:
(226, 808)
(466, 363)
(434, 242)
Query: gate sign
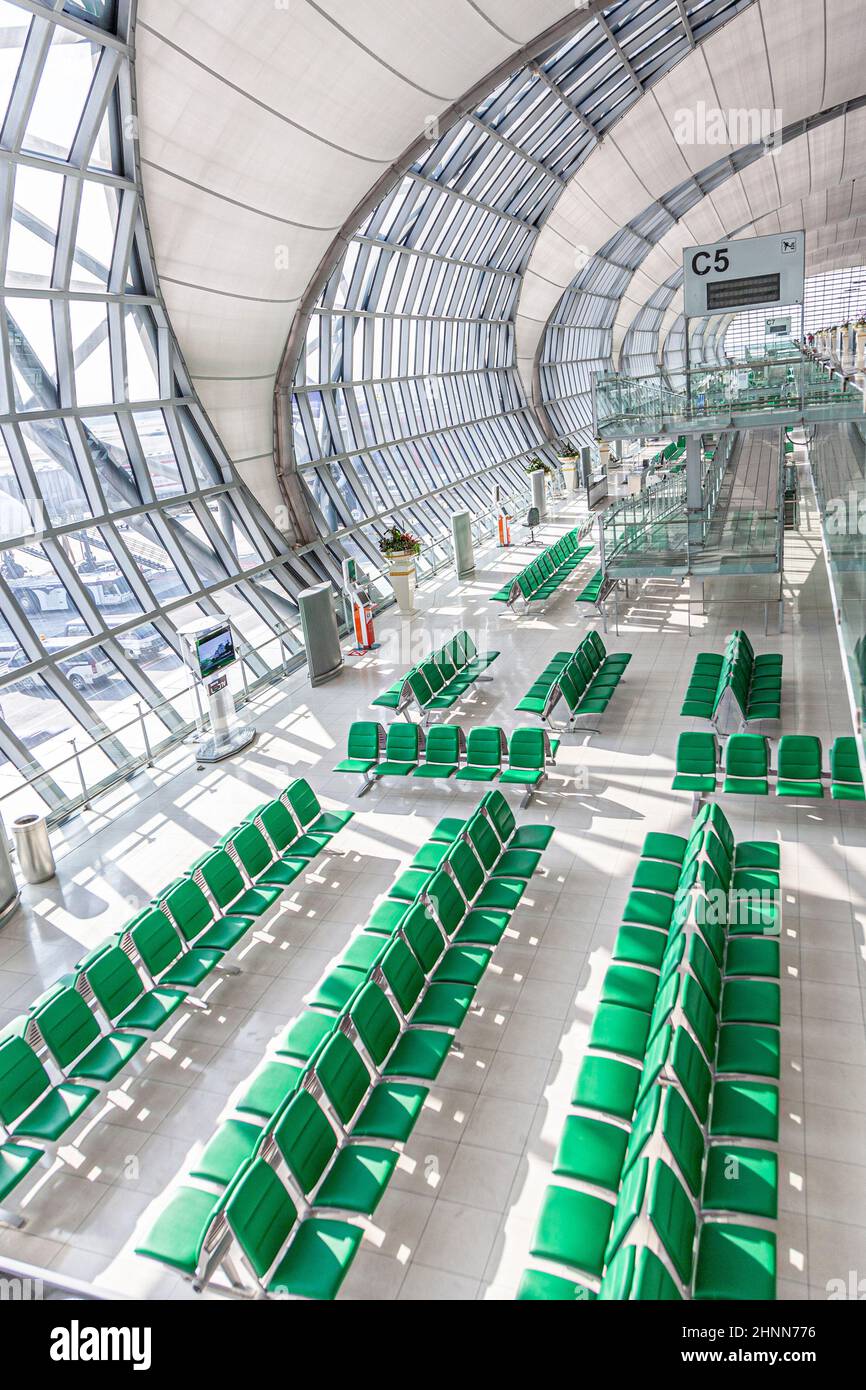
(746, 273)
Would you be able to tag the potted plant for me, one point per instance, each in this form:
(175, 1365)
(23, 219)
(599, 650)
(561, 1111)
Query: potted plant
(538, 470)
(569, 460)
(399, 549)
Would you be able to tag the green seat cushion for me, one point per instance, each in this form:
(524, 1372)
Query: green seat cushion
(658, 845)
(393, 769)
(193, 967)
(751, 1001)
(107, 1057)
(531, 837)
(735, 1262)
(444, 1005)
(572, 1229)
(176, 1236)
(749, 1049)
(317, 1260)
(255, 901)
(745, 1110)
(303, 1037)
(517, 863)
(391, 1112)
(501, 894)
(357, 765)
(228, 1150)
(335, 989)
(847, 791)
(430, 855)
(419, 1054)
(693, 782)
(387, 916)
(225, 933)
(763, 880)
(307, 846)
(741, 1180)
(16, 1160)
(283, 873)
(657, 875)
(430, 770)
(409, 884)
(538, 1285)
(269, 1088)
(810, 791)
(532, 704)
(630, 986)
(640, 946)
(746, 786)
(463, 965)
(477, 774)
(357, 1179)
(591, 1151)
(152, 1009)
(329, 822)
(648, 909)
(616, 1028)
(607, 1085)
(516, 777)
(53, 1115)
(753, 956)
(482, 927)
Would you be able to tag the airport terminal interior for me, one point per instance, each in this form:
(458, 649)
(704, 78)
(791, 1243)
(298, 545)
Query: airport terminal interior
(433, 649)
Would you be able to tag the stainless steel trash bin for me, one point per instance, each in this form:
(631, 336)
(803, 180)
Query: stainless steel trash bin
(33, 848)
(8, 884)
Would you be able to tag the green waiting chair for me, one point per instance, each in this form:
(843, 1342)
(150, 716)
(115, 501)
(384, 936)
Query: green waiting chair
(529, 751)
(402, 747)
(442, 748)
(799, 771)
(284, 1255)
(74, 1040)
(366, 739)
(485, 746)
(747, 765)
(846, 774)
(697, 766)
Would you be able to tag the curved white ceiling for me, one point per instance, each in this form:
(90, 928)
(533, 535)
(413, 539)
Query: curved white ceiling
(768, 57)
(834, 218)
(261, 129)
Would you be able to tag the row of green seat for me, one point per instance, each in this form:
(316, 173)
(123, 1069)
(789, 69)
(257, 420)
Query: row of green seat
(665, 1180)
(91, 1024)
(584, 680)
(438, 682)
(596, 591)
(538, 581)
(446, 751)
(753, 684)
(748, 769)
(274, 1203)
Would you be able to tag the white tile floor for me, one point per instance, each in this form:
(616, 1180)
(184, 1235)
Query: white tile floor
(458, 1216)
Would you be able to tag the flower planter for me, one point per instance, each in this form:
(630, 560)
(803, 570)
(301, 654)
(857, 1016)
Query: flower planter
(401, 572)
(569, 474)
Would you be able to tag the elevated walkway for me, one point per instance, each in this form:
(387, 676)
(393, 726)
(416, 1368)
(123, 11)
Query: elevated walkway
(744, 535)
(770, 393)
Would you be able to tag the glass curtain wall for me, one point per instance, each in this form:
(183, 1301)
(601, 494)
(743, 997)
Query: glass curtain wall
(407, 401)
(120, 517)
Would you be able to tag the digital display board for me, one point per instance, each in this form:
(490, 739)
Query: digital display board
(744, 273)
(737, 294)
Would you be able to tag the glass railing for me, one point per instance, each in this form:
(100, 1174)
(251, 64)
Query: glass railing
(653, 531)
(838, 459)
(714, 397)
